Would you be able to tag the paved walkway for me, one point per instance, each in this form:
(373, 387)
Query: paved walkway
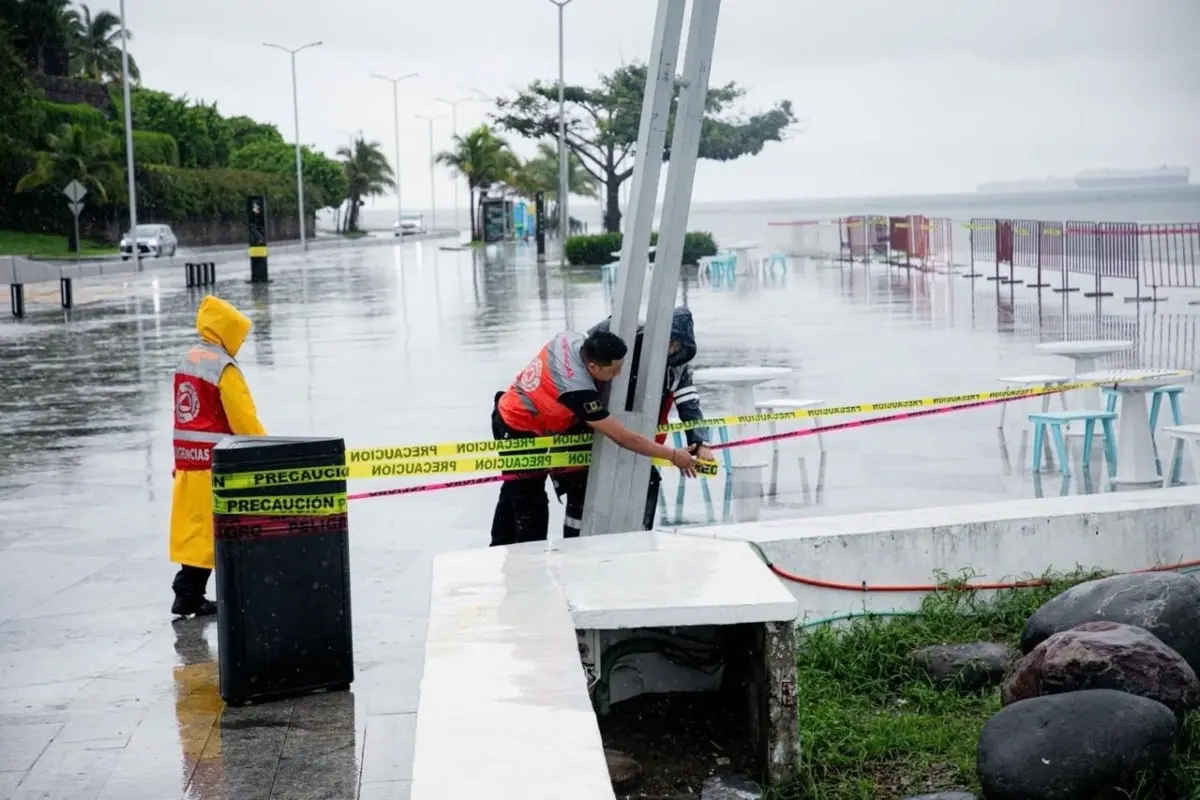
(101, 697)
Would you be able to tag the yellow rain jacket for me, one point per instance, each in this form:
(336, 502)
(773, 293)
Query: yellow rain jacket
(221, 324)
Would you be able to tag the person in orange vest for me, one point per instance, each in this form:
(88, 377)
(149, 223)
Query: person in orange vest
(212, 401)
(558, 392)
(678, 390)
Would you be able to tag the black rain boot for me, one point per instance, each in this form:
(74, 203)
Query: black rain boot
(189, 594)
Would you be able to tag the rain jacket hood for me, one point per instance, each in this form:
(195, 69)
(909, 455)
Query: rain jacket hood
(682, 331)
(220, 323)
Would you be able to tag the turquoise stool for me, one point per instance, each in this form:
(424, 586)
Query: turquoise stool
(1172, 392)
(773, 260)
(727, 462)
(720, 269)
(1054, 420)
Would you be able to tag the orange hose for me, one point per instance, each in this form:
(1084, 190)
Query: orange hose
(932, 587)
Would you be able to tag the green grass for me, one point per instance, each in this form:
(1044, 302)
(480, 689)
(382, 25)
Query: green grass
(16, 243)
(872, 726)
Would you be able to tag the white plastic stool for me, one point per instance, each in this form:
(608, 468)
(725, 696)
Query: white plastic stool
(781, 404)
(1182, 435)
(747, 492)
(1028, 382)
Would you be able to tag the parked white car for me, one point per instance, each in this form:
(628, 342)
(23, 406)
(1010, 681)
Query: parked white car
(152, 240)
(408, 225)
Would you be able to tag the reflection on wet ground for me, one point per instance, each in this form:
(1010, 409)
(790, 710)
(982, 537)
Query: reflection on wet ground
(100, 697)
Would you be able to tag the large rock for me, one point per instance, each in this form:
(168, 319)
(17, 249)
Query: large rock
(1070, 746)
(1165, 603)
(1105, 655)
(970, 667)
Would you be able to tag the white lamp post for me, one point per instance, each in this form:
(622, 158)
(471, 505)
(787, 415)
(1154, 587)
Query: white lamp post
(563, 188)
(296, 120)
(137, 251)
(433, 174)
(454, 104)
(395, 82)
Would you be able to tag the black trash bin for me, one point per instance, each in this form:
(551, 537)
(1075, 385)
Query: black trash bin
(283, 567)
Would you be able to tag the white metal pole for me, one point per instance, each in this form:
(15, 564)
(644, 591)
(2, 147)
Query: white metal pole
(137, 252)
(432, 172)
(296, 122)
(299, 168)
(564, 190)
(396, 133)
(454, 130)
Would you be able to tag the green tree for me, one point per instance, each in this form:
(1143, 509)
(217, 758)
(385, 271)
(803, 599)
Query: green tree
(602, 125)
(75, 152)
(203, 135)
(96, 46)
(243, 131)
(41, 32)
(484, 159)
(540, 174)
(21, 112)
(368, 174)
(324, 179)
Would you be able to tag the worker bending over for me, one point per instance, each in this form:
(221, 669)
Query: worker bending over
(559, 393)
(677, 390)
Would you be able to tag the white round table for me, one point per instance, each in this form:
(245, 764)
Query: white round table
(741, 253)
(742, 380)
(1136, 463)
(1083, 353)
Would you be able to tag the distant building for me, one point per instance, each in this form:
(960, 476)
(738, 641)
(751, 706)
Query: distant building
(1132, 178)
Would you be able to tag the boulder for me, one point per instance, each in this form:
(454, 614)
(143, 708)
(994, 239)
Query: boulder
(943, 796)
(1165, 603)
(1105, 655)
(970, 667)
(1070, 746)
(730, 787)
(623, 770)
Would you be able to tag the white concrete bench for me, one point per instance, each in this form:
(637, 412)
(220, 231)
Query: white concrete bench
(503, 674)
(1018, 538)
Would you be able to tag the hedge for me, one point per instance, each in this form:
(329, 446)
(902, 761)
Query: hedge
(178, 193)
(54, 115)
(597, 249)
(151, 148)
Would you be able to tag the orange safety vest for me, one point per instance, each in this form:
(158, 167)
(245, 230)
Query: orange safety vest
(200, 420)
(531, 403)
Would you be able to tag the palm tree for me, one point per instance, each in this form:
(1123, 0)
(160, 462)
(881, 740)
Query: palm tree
(540, 174)
(80, 153)
(96, 46)
(368, 174)
(41, 31)
(484, 159)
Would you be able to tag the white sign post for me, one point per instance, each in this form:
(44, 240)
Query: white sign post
(75, 192)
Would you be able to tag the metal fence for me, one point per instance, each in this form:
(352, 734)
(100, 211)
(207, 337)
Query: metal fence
(1038, 254)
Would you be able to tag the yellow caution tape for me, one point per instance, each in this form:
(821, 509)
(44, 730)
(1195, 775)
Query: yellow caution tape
(446, 457)
(296, 505)
(410, 469)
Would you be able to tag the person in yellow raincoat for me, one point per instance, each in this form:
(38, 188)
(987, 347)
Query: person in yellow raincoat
(212, 401)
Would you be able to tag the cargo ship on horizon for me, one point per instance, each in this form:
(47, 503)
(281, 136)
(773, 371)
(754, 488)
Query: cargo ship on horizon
(1096, 179)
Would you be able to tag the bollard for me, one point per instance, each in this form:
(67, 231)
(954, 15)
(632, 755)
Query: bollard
(65, 295)
(16, 294)
(747, 491)
(210, 273)
(189, 271)
(283, 567)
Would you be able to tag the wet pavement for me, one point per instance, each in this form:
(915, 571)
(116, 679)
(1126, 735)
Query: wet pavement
(102, 697)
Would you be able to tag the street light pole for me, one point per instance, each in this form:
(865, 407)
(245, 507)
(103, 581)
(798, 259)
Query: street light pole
(395, 82)
(563, 188)
(432, 172)
(137, 251)
(454, 130)
(296, 120)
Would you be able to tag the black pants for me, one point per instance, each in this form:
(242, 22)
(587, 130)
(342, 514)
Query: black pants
(523, 510)
(191, 582)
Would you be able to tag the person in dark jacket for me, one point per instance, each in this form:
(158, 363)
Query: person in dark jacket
(677, 390)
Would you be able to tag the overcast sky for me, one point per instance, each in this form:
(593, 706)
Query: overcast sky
(898, 97)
